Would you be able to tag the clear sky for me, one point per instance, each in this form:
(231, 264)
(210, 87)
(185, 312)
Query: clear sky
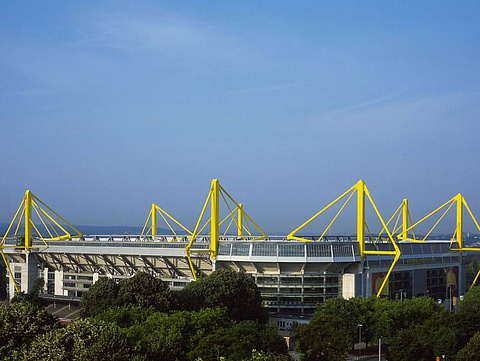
(108, 106)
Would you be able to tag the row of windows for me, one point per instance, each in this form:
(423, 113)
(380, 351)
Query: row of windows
(321, 280)
(287, 250)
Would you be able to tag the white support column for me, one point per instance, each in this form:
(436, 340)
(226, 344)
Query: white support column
(45, 278)
(59, 284)
(31, 273)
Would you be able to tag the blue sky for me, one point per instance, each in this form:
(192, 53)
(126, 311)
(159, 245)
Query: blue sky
(107, 107)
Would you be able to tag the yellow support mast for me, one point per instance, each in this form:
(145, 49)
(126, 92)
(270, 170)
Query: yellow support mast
(152, 217)
(50, 226)
(406, 220)
(460, 204)
(360, 187)
(362, 193)
(153, 212)
(214, 221)
(242, 221)
(405, 214)
(28, 220)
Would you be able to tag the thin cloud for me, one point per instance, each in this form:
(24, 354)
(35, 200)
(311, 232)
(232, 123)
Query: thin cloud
(269, 88)
(27, 93)
(389, 116)
(367, 104)
(149, 32)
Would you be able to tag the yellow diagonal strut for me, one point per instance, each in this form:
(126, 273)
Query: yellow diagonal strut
(48, 221)
(362, 191)
(152, 216)
(237, 215)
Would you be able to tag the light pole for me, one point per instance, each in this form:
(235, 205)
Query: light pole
(359, 340)
(380, 349)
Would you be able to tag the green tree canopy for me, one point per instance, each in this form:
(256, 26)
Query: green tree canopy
(164, 336)
(471, 351)
(142, 289)
(416, 329)
(467, 319)
(84, 340)
(100, 296)
(226, 288)
(145, 290)
(20, 323)
(236, 342)
(325, 338)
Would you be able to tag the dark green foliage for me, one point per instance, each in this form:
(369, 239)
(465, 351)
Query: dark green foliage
(422, 342)
(347, 313)
(416, 329)
(232, 290)
(125, 316)
(33, 296)
(471, 352)
(172, 337)
(472, 265)
(102, 295)
(84, 340)
(325, 338)
(145, 291)
(236, 342)
(20, 322)
(467, 318)
(185, 335)
(267, 356)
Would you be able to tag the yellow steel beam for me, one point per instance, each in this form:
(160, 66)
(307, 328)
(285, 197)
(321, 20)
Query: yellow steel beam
(404, 219)
(215, 220)
(292, 236)
(10, 273)
(360, 187)
(475, 280)
(236, 214)
(154, 220)
(240, 220)
(28, 220)
(29, 206)
(362, 192)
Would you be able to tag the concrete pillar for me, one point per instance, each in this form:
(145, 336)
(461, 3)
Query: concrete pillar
(31, 272)
(59, 284)
(45, 278)
(25, 273)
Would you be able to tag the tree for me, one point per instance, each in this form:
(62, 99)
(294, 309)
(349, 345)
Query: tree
(100, 296)
(349, 311)
(236, 342)
(125, 316)
(325, 338)
(467, 319)
(172, 336)
(471, 351)
(472, 265)
(422, 342)
(20, 323)
(420, 330)
(33, 296)
(226, 288)
(267, 356)
(145, 290)
(141, 290)
(84, 340)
